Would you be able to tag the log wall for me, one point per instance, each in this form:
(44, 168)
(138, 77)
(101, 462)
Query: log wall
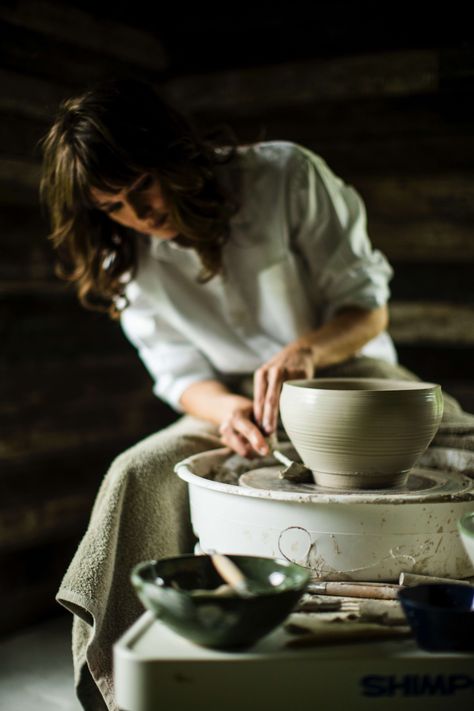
(397, 124)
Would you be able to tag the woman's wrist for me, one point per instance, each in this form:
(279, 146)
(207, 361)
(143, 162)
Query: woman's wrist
(232, 403)
(341, 337)
(211, 400)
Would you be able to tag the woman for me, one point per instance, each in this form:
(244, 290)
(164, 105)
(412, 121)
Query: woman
(130, 186)
(223, 263)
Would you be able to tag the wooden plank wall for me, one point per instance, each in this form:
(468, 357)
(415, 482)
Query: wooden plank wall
(396, 124)
(73, 393)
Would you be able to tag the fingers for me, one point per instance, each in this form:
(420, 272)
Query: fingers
(237, 443)
(292, 362)
(275, 380)
(259, 392)
(252, 434)
(267, 388)
(243, 436)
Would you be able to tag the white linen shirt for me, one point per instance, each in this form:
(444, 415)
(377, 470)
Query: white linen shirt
(298, 251)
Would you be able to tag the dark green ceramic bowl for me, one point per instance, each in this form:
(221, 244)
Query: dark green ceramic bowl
(165, 587)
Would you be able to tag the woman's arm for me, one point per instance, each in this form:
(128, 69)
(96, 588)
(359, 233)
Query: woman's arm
(211, 400)
(236, 415)
(335, 341)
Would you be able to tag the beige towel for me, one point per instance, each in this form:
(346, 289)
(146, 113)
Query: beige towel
(141, 513)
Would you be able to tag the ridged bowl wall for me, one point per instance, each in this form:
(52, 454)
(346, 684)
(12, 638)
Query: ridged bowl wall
(360, 433)
(466, 531)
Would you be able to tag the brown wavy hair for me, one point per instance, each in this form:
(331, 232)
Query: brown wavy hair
(105, 139)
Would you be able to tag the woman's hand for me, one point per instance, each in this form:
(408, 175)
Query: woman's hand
(243, 423)
(230, 412)
(333, 342)
(239, 431)
(294, 361)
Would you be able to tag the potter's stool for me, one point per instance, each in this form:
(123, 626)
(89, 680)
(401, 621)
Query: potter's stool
(155, 669)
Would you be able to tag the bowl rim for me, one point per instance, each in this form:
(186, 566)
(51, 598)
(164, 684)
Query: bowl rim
(139, 582)
(466, 524)
(404, 596)
(391, 385)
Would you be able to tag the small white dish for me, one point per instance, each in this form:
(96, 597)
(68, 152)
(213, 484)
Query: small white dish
(466, 531)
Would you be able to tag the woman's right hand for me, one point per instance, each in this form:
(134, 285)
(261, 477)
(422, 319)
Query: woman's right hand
(231, 413)
(239, 431)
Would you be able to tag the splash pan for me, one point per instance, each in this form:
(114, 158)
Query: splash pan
(355, 534)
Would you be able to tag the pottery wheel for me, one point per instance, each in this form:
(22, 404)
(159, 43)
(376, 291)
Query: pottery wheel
(422, 484)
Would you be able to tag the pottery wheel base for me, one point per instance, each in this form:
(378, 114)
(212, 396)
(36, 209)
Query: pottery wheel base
(332, 480)
(417, 485)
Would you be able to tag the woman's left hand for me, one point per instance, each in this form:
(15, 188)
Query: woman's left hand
(294, 361)
(333, 342)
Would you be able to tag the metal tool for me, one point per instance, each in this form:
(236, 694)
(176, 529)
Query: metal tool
(294, 471)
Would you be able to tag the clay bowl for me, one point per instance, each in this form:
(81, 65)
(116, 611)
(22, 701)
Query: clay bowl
(466, 531)
(441, 616)
(181, 592)
(360, 433)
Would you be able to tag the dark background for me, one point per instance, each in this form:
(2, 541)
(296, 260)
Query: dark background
(384, 92)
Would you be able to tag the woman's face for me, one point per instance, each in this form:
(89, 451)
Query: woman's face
(139, 206)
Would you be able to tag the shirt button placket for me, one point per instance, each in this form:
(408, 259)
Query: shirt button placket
(237, 311)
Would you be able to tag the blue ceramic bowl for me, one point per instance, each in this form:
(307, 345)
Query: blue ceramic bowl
(168, 588)
(441, 616)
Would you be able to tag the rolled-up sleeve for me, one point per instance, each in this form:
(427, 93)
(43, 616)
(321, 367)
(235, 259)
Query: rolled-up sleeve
(173, 362)
(329, 228)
